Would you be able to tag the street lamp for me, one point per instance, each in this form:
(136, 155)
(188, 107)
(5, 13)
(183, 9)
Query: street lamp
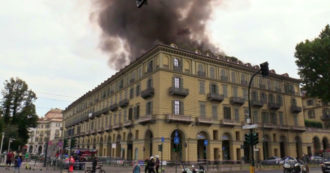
(2, 137)
(264, 72)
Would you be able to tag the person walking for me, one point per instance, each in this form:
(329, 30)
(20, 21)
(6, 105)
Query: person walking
(94, 164)
(136, 168)
(18, 162)
(146, 163)
(151, 165)
(71, 163)
(157, 164)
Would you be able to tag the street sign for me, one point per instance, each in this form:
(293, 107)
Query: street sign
(176, 140)
(250, 126)
(256, 149)
(160, 147)
(206, 142)
(162, 139)
(176, 133)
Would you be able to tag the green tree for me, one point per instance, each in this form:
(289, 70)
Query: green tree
(313, 61)
(18, 111)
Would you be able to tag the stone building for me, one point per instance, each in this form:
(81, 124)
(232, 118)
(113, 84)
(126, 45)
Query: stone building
(48, 129)
(199, 99)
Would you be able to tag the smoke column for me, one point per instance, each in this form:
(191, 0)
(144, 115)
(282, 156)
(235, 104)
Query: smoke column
(128, 31)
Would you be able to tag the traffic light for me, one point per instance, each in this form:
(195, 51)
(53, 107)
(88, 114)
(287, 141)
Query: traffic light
(247, 138)
(255, 138)
(264, 69)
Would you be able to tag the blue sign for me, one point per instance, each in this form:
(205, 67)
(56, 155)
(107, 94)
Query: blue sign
(176, 140)
(176, 133)
(162, 139)
(206, 142)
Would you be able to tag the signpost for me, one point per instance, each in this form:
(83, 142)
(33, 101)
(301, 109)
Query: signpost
(161, 154)
(250, 126)
(206, 142)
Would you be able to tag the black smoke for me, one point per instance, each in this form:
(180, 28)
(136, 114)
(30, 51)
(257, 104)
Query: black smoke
(128, 31)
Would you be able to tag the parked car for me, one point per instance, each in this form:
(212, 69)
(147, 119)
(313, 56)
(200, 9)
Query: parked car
(316, 159)
(271, 161)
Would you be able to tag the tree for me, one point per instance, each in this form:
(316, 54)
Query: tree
(313, 61)
(18, 111)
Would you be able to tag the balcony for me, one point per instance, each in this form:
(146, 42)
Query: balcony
(128, 123)
(147, 93)
(117, 126)
(274, 106)
(179, 118)
(298, 128)
(237, 100)
(146, 119)
(97, 113)
(177, 68)
(215, 97)
(181, 92)
(269, 126)
(224, 78)
(204, 121)
(113, 107)
(201, 73)
(123, 103)
(256, 103)
(105, 110)
(325, 117)
(100, 130)
(229, 122)
(108, 128)
(295, 109)
(284, 127)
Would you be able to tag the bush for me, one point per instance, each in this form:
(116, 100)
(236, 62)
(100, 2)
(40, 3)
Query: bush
(313, 124)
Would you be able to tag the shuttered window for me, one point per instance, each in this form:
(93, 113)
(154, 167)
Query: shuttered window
(177, 107)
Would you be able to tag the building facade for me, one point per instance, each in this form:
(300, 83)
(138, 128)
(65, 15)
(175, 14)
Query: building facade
(317, 122)
(48, 130)
(200, 100)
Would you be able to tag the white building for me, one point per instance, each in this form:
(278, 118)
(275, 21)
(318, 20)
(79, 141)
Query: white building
(48, 129)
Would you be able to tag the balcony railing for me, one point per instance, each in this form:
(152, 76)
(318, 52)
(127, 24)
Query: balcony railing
(256, 103)
(284, 127)
(105, 110)
(128, 123)
(117, 126)
(215, 97)
(147, 93)
(146, 119)
(269, 126)
(201, 73)
(177, 68)
(237, 100)
(229, 122)
(113, 107)
(123, 103)
(181, 92)
(97, 113)
(204, 121)
(298, 128)
(179, 118)
(274, 106)
(224, 78)
(295, 109)
(244, 82)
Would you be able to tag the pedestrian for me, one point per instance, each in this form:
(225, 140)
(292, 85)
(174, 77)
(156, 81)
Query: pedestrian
(18, 162)
(151, 165)
(146, 163)
(71, 163)
(157, 163)
(136, 168)
(94, 164)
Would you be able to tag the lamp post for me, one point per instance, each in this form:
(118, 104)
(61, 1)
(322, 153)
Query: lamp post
(264, 71)
(2, 137)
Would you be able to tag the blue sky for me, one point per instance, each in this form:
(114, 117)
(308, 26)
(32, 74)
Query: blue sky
(54, 46)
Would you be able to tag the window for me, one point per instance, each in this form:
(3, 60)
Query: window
(224, 89)
(202, 109)
(200, 68)
(130, 114)
(177, 82)
(233, 77)
(150, 66)
(280, 115)
(271, 98)
(137, 90)
(310, 102)
(236, 111)
(176, 107)
(279, 99)
(311, 114)
(227, 113)
(295, 119)
(254, 95)
(137, 112)
(255, 116)
(237, 136)
(136, 134)
(215, 112)
(149, 108)
(265, 117)
(215, 135)
(245, 93)
(214, 88)
(293, 102)
(212, 74)
(125, 114)
(131, 93)
(223, 75)
(234, 91)
(176, 62)
(201, 87)
(149, 83)
(263, 98)
(273, 117)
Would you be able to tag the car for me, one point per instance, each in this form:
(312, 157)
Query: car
(325, 165)
(316, 159)
(271, 161)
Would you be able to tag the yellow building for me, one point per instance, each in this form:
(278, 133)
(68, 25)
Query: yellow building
(317, 122)
(199, 100)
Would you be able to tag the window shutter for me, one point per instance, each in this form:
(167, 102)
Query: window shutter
(216, 89)
(181, 82)
(173, 107)
(181, 108)
(210, 88)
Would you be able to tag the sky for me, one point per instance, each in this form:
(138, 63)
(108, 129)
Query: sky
(54, 45)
